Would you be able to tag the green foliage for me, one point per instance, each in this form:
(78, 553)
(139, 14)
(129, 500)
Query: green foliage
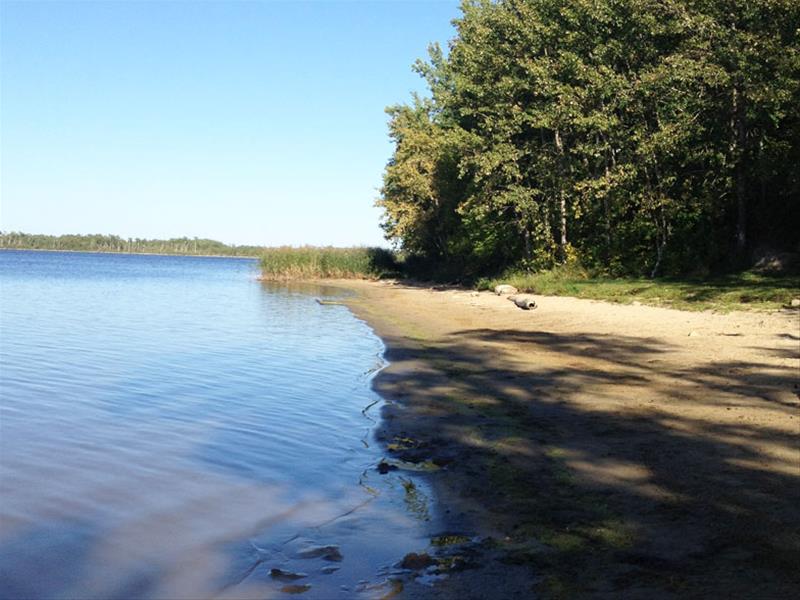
(310, 262)
(113, 243)
(644, 137)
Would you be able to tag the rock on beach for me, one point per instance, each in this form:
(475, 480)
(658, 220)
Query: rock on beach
(505, 290)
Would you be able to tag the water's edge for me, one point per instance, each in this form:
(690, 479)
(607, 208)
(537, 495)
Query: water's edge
(211, 431)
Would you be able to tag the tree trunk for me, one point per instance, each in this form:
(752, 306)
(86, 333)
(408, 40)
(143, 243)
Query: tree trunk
(607, 222)
(562, 209)
(662, 233)
(562, 205)
(740, 140)
(741, 213)
(528, 244)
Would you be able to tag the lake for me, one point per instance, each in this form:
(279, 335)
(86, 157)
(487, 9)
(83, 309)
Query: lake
(172, 427)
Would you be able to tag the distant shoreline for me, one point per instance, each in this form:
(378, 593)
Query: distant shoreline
(239, 256)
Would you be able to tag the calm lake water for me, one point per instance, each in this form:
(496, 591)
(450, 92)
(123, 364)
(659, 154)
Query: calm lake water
(172, 428)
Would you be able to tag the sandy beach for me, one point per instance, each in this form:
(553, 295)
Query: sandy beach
(599, 450)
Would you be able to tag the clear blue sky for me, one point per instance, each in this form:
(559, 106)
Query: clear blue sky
(247, 122)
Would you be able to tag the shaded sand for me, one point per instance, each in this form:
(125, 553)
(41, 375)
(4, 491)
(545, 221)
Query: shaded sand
(608, 450)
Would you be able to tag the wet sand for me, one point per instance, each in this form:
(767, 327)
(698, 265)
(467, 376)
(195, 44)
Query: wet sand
(600, 450)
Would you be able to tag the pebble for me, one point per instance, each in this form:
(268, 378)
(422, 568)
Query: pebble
(296, 589)
(282, 575)
(330, 553)
(384, 467)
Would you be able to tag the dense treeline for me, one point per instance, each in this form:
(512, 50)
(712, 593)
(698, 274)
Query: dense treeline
(113, 243)
(632, 136)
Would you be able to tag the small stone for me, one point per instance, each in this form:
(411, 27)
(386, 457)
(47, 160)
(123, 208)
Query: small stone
(384, 467)
(504, 290)
(415, 561)
(795, 303)
(282, 575)
(330, 553)
(694, 334)
(296, 589)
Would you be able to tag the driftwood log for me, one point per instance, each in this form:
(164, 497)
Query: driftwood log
(524, 301)
(504, 290)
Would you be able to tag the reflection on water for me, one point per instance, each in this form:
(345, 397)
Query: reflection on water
(170, 427)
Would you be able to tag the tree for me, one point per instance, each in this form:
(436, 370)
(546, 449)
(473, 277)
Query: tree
(633, 135)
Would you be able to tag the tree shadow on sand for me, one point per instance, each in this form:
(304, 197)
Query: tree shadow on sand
(611, 471)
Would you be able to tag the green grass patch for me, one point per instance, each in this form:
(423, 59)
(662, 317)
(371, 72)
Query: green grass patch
(310, 262)
(741, 291)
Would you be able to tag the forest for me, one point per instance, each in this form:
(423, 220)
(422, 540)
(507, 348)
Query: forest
(114, 243)
(628, 137)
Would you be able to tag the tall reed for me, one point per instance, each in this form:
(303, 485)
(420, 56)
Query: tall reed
(311, 262)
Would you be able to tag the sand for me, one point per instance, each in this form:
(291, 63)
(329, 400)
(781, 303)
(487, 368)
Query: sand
(600, 450)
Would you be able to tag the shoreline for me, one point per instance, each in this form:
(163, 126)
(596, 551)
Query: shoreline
(656, 463)
(239, 256)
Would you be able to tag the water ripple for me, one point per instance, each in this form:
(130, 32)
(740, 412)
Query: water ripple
(156, 407)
